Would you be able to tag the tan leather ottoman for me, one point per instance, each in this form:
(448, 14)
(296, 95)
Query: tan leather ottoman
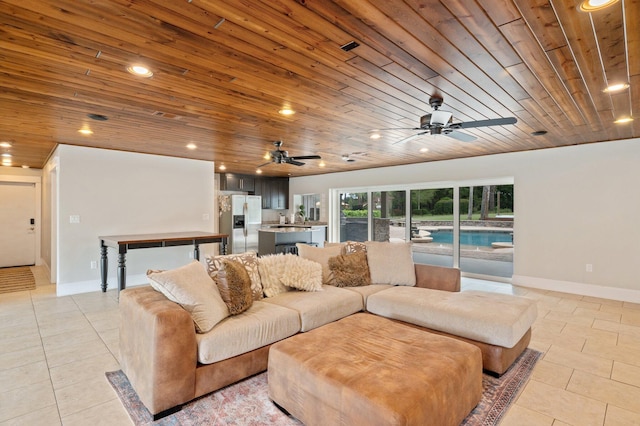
(366, 369)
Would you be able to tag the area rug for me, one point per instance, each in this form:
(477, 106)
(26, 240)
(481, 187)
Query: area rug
(19, 278)
(247, 403)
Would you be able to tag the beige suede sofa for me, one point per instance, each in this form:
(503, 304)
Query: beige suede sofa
(168, 363)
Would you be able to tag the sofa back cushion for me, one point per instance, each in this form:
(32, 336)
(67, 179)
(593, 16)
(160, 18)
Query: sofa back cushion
(391, 263)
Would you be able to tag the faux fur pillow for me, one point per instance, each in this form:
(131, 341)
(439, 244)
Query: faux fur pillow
(250, 262)
(272, 267)
(350, 270)
(302, 274)
(391, 263)
(191, 287)
(234, 284)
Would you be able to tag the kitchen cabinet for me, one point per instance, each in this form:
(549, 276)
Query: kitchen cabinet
(274, 192)
(235, 182)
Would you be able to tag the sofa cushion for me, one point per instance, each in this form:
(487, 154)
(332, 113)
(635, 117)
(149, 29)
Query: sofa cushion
(191, 287)
(250, 262)
(367, 290)
(321, 307)
(258, 326)
(234, 285)
(494, 318)
(350, 270)
(390, 263)
(272, 268)
(320, 255)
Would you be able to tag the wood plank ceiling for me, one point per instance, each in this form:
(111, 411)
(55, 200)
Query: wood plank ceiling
(223, 69)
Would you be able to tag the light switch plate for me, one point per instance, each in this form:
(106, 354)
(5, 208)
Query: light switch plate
(74, 218)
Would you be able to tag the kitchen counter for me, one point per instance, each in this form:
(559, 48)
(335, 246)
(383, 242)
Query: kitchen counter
(283, 238)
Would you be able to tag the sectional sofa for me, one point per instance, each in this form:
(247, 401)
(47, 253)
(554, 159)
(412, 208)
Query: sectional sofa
(169, 363)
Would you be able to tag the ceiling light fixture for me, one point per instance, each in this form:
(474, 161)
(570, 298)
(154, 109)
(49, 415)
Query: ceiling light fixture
(85, 131)
(423, 150)
(5, 144)
(6, 162)
(616, 87)
(192, 145)
(140, 70)
(7, 155)
(286, 111)
(595, 5)
(24, 166)
(322, 164)
(623, 120)
(375, 135)
(259, 171)
(222, 167)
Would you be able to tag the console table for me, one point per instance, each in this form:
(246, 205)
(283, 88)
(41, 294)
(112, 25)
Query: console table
(123, 243)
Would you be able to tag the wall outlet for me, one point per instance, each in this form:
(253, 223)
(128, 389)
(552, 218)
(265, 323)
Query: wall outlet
(589, 267)
(74, 218)
(94, 264)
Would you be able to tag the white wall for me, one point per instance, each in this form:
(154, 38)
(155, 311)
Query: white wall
(573, 206)
(120, 193)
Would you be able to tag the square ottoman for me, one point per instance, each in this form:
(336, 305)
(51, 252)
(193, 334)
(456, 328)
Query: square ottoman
(366, 369)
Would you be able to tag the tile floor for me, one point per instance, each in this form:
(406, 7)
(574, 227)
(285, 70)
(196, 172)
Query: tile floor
(54, 352)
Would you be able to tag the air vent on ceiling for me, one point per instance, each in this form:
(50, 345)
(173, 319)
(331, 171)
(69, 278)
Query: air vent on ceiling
(349, 46)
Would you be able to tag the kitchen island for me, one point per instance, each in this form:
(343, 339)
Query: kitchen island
(283, 238)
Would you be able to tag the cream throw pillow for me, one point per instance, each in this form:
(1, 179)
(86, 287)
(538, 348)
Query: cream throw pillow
(271, 268)
(320, 255)
(391, 263)
(302, 274)
(191, 287)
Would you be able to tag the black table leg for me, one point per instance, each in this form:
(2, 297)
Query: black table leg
(196, 251)
(122, 271)
(104, 263)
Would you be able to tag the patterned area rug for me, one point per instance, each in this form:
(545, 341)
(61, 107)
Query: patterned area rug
(16, 279)
(246, 403)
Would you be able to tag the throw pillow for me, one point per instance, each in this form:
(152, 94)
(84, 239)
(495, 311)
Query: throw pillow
(250, 262)
(191, 287)
(272, 267)
(350, 270)
(320, 255)
(302, 274)
(391, 263)
(234, 284)
(354, 247)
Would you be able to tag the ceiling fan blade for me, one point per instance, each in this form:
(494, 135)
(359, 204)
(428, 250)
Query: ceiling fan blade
(306, 157)
(265, 164)
(484, 123)
(290, 160)
(462, 137)
(410, 138)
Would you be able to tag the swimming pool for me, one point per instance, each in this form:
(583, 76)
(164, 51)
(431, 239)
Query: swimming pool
(472, 238)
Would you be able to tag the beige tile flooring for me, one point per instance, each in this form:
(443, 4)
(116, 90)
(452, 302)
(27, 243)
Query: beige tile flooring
(54, 352)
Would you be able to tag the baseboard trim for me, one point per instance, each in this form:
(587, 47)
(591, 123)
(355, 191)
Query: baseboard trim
(603, 292)
(78, 287)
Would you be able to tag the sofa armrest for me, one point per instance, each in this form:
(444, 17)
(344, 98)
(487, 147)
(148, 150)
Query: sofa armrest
(158, 348)
(437, 277)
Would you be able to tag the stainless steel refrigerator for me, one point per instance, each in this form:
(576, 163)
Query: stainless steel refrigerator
(242, 223)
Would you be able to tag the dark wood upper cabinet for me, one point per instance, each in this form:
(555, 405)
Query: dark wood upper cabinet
(235, 182)
(274, 192)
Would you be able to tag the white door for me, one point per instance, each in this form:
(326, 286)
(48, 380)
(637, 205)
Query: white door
(17, 232)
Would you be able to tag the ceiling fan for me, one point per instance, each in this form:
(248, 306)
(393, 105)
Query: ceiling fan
(279, 156)
(441, 123)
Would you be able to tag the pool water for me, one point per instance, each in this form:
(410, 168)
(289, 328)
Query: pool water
(472, 238)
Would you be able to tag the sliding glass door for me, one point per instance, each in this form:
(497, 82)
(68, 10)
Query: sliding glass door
(432, 226)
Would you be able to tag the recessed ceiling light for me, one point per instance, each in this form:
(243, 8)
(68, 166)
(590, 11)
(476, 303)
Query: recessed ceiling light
(85, 132)
(423, 150)
(5, 144)
(623, 120)
(286, 111)
(222, 167)
(6, 162)
(595, 5)
(191, 145)
(259, 171)
(375, 135)
(616, 87)
(140, 70)
(6, 154)
(24, 166)
(322, 164)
